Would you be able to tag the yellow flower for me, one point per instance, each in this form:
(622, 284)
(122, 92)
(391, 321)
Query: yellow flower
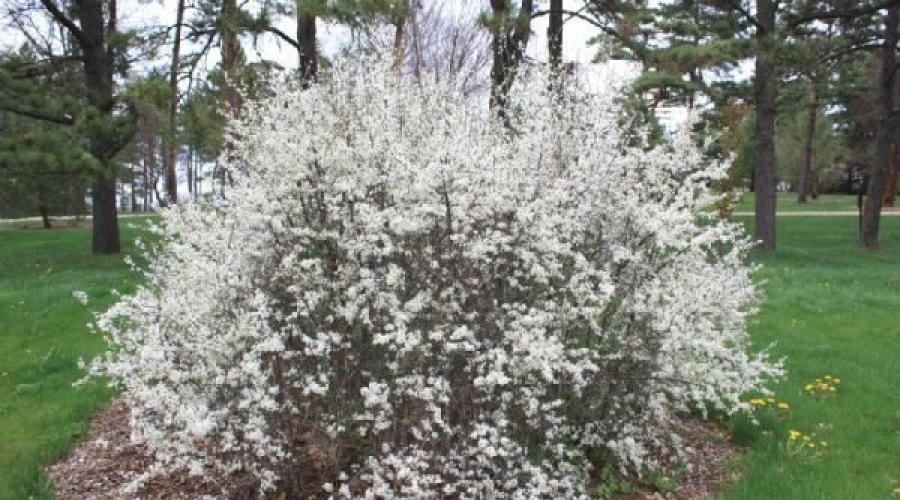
(811, 445)
(824, 443)
(783, 405)
(897, 491)
(770, 400)
(806, 438)
(837, 381)
(808, 387)
(757, 402)
(832, 389)
(828, 377)
(794, 435)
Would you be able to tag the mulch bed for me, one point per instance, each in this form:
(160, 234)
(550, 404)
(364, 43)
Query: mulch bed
(100, 466)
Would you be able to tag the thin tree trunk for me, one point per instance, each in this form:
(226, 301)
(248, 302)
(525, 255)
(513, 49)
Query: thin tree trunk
(190, 173)
(510, 38)
(890, 189)
(803, 187)
(306, 43)
(133, 198)
(399, 43)
(764, 93)
(145, 183)
(555, 36)
(231, 56)
(888, 124)
(45, 215)
(172, 141)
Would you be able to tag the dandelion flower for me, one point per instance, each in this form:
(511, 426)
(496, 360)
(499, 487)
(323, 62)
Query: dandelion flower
(794, 435)
(783, 405)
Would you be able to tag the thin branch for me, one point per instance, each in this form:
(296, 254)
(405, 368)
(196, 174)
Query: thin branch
(37, 115)
(583, 17)
(63, 19)
(736, 5)
(282, 35)
(840, 14)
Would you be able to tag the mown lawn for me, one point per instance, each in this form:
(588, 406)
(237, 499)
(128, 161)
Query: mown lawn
(787, 202)
(831, 308)
(43, 333)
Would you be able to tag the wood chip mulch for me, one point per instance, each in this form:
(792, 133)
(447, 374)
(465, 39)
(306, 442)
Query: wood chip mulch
(710, 458)
(100, 466)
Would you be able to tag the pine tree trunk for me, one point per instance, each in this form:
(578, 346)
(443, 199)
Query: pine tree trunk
(764, 93)
(171, 155)
(887, 129)
(555, 36)
(399, 44)
(231, 56)
(98, 69)
(306, 41)
(45, 215)
(803, 187)
(890, 189)
(190, 173)
(106, 224)
(508, 44)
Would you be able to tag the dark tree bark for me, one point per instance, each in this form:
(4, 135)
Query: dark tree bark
(399, 43)
(806, 180)
(764, 93)
(98, 69)
(172, 142)
(45, 215)
(306, 45)
(889, 119)
(890, 189)
(555, 36)
(231, 56)
(510, 38)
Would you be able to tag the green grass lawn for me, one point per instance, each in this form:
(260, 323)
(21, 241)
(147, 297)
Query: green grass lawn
(787, 202)
(43, 333)
(831, 308)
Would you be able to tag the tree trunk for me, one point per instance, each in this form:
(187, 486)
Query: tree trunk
(764, 94)
(231, 56)
(98, 68)
(555, 36)
(306, 42)
(508, 44)
(887, 129)
(190, 173)
(45, 215)
(890, 189)
(399, 43)
(106, 224)
(172, 141)
(803, 187)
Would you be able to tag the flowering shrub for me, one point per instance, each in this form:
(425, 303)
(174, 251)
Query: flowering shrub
(402, 298)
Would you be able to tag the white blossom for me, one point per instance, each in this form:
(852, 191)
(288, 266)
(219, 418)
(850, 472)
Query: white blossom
(421, 300)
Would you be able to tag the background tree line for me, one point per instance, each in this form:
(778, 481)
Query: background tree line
(803, 92)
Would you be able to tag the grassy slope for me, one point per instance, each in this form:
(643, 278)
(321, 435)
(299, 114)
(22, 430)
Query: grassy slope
(787, 202)
(832, 309)
(42, 335)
